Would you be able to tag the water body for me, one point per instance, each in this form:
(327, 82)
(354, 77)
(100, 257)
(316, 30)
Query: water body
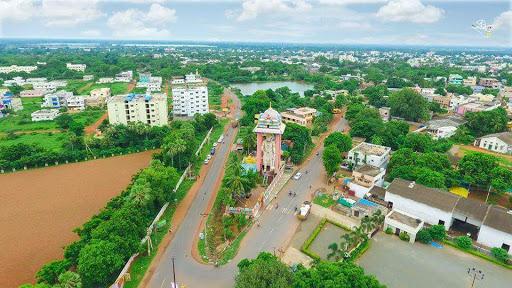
(250, 88)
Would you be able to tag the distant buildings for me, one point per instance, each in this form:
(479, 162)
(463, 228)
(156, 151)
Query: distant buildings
(16, 68)
(64, 99)
(189, 100)
(350, 58)
(471, 81)
(7, 101)
(132, 108)
(193, 78)
(490, 83)
(302, 116)
(385, 113)
(455, 79)
(18, 81)
(152, 84)
(125, 77)
(476, 106)
(45, 115)
(101, 92)
(105, 81)
(98, 97)
(499, 142)
(76, 67)
(477, 88)
(370, 154)
(88, 78)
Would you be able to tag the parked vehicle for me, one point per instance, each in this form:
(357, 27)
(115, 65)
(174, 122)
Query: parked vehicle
(297, 176)
(214, 144)
(209, 157)
(304, 210)
(212, 152)
(206, 161)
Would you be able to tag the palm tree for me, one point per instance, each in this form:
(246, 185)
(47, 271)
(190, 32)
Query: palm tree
(233, 162)
(348, 240)
(180, 146)
(171, 152)
(367, 224)
(249, 141)
(378, 217)
(235, 182)
(140, 194)
(337, 252)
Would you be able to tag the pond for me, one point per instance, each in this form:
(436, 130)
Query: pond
(250, 88)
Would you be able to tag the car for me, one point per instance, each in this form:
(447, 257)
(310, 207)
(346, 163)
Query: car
(215, 144)
(212, 152)
(297, 176)
(220, 139)
(206, 161)
(208, 157)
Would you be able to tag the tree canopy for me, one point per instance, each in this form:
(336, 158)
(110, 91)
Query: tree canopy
(409, 105)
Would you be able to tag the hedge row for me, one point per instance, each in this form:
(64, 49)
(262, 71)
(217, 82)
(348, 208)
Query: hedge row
(483, 256)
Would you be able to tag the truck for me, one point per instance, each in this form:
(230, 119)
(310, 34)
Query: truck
(304, 210)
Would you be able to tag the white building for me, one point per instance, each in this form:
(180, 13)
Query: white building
(193, 78)
(152, 84)
(45, 115)
(371, 154)
(8, 101)
(349, 57)
(189, 100)
(88, 78)
(76, 67)
(178, 80)
(105, 80)
(19, 81)
(402, 222)
(35, 80)
(499, 142)
(64, 99)
(470, 81)
(125, 76)
(16, 68)
(101, 92)
(493, 224)
(150, 109)
(364, 178)
(459, 100)
(444, 127)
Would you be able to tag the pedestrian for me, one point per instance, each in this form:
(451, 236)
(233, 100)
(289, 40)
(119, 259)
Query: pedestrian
(275, 196)
(170, 230)
(309, 186)
(258, 223)
(277, 205)
(294, 194)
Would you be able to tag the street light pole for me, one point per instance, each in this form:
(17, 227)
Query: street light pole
(476, 274)
(174, 272)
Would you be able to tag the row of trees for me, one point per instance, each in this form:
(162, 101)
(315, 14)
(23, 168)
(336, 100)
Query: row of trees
(113, 235)
(335, 143)
(267, 271)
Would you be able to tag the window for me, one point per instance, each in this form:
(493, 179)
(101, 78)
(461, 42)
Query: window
(441, 222)
(506, 247)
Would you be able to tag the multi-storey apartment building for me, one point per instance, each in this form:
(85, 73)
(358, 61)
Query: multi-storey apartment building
(150, 109)
(45, 115)
(16, 68)
(489, 83)
(189, 100)
(64, 99)
(101, 92)
(125, 76)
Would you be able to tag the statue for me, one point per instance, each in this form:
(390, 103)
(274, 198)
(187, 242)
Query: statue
(269, 151)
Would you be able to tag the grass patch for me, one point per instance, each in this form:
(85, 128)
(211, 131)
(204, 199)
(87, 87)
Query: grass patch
(501, 159)
(230, 252)
(115, 88)
(51, 141)
(76, 85)
(475, 253)
(324, 201)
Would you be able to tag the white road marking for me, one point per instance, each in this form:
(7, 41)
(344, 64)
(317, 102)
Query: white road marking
(163, 283)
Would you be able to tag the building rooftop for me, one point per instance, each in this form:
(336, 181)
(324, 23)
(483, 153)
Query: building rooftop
(499, 219)
(136, 98)
(450, 120)
(371, 149)
(369, 170)
(433, 197)
(404, 219)
(503, 136)
(471, 208)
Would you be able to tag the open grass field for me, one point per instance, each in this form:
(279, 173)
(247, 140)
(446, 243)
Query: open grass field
(48, 140)
(115, 88)
(40, 207)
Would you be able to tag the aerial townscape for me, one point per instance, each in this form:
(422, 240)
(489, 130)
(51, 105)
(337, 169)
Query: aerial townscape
(255, 143)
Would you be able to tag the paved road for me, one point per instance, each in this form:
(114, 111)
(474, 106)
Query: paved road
(276, 231)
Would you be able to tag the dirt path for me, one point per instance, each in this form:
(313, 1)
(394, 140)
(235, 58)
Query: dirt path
(130, 87)
(91, 129)
(39, 208)
(85, 87)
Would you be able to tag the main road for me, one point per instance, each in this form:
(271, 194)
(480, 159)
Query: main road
(276, 230)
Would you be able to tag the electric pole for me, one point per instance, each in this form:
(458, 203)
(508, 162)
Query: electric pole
(476, 274)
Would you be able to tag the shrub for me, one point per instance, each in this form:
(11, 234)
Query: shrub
(424, 236)
(464, 242)
(227, 233)
(510, 199)
(437, 232)
(500, 254)
(404, 236)
(389, 230)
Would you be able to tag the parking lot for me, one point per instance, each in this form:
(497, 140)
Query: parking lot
(397, 264)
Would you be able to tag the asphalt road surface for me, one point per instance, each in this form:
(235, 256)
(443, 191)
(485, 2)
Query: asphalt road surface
(274, 234)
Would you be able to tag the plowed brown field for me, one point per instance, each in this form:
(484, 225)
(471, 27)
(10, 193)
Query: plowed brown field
(40, 207)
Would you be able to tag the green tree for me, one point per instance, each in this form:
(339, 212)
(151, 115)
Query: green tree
(501, 179)
(337, 252)
(475, 168)
(500, 254)
(262, 272)
(464, 242)
(437, 232)
(77, 128)
(408, 104)
(487, 122)
(342, 141)
(98, 261)
(424, 236)
(332, 159)
(69, 279)
(64, 121)
(249, 141)
(440, 91)
(49, 273)
(235, 182)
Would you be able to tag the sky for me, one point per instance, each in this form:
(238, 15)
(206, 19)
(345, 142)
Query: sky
(381, 22)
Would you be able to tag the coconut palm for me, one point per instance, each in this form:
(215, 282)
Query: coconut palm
(140, 193)
(249, 141)
(336, 251)
(349, 240)
(181, 146)
(171, 152)
(367, 224)
(235, 182)
(378, 217)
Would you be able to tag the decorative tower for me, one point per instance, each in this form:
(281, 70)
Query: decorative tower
(269, 130)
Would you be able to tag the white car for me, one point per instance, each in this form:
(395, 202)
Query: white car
(206, 161)
(220, 139)
(208, 157)
(214, 144)
(297, 176)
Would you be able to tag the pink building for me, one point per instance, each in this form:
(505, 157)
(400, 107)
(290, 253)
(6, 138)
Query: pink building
(269, 129)
(474, 107)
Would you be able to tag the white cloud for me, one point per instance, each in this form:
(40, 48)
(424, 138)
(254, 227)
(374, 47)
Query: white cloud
(409, 11)
(15, 10)
(67, 13)
(91, 33)
(355, 25)
(503, 21)
(137, 24)
(251, 9)
(345, 2)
